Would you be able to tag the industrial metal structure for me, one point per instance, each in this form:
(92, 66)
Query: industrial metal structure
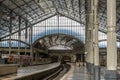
(87, 27)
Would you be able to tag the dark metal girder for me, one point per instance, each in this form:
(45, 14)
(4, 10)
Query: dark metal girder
(44, 19)
(39, 6)
(21, 8)
(3, 29)
(55, 6)
(15, 40)
(29, 26)
(71, 18)
(67, 7)
(7, 21)
(21, 5)
(2, 33)
(47, 5)
(15, 12)
(79, 9)
(30, 7)
(73, 8)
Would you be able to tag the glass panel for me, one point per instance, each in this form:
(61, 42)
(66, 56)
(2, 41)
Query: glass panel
(52, 26)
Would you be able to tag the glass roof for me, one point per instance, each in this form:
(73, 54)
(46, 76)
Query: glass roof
(18, 15)
(62, 26)
(56, 25)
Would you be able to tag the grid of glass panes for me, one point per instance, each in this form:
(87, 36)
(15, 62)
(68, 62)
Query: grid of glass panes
(55, 25)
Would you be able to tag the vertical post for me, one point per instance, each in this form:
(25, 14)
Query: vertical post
(82, 59)
(111, 73)
(90, 58)
(19, 38)
(36, 58)
(31, 48)
(87, 41)
(26, 36)
(10, 30)
(58, 23)
(96, 48)
(89, 36)
(19, 35)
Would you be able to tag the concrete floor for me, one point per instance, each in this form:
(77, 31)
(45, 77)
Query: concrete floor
(80, 73)
(76, 72)
(23, 71)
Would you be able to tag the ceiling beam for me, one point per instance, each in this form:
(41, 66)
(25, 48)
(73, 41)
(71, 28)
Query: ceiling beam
(28, 26)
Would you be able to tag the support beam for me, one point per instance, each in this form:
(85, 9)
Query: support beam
(86, 38)
(19, 35)
(111, 73)
(26, 36)
(91, 33)
(95, 40)
(89, 7)
(16, 40)
(31, 47)
(111, 35)
(29, 25)
(86, 41)
(10, 30)
(95, 33)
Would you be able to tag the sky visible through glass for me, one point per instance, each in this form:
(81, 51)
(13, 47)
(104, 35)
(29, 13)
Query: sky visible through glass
(55, 25)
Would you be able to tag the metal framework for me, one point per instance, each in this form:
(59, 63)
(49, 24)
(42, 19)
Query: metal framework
(35, 11)
(61, 39)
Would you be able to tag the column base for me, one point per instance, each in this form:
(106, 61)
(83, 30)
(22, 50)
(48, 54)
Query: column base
(87, 66)
(91, 69)
(111, 75)
(96, 72)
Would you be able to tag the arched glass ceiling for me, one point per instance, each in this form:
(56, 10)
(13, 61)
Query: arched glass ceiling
(57, 25)
(54, 25)
(34, 11)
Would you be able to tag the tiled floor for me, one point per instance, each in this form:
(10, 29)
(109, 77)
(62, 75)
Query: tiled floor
(80, 73)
